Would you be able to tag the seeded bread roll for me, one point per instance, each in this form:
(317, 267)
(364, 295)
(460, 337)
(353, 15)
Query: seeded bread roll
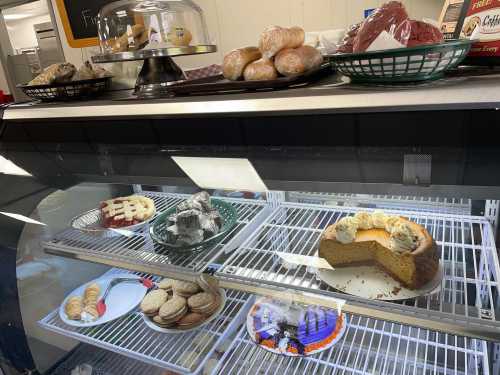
(276, 38)
(297, 61)
(237, 60)
(260, 70)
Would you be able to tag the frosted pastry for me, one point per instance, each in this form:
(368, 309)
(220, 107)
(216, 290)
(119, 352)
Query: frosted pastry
(390, 222)
(402, 238)
(346, 229)
(74, 308)
(378, 219)
(91, 294)
(364, 220)
(195, 220)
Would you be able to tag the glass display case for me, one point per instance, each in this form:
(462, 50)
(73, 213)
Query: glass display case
(291, 165)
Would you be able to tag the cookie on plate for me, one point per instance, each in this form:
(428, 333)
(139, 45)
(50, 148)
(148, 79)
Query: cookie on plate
(204, 303)
(190, 320)
(160, 322)
(173, 310)
(166, 285)
(152, 302)
(185, 288)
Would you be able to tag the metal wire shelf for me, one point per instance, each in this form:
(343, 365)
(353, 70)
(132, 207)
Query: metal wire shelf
(138, 252)
(103, 362)
(368, 347)
(130, 336)
(465, 305)
(456, 206)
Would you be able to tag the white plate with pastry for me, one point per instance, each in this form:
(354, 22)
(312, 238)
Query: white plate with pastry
(79, 308)
(380, 256)
(117, 216)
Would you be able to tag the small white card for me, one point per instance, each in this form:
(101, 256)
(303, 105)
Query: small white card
(308, 261)
(221, 173)
(383, 42)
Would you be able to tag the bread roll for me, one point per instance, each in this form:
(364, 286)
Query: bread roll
(299, 60)
(237, 60)
(276, 38)
(260, 70)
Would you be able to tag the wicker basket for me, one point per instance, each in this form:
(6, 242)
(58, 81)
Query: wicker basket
(74, 90)
(402, 65)
(158, 230)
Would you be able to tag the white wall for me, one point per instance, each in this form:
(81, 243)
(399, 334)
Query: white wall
(21, 32)
(236, 23)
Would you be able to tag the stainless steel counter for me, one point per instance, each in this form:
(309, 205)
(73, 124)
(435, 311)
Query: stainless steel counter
(328, 96)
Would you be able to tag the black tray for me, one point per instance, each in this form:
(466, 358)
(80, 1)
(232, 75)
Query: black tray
(219, 85)
(73, 90)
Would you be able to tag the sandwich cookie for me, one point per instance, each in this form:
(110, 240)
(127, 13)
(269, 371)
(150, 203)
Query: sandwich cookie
(185, 288)
(166, 285)
(159, 322)
(173, 310)
(190, 320)
(152, 302)
(204, 303)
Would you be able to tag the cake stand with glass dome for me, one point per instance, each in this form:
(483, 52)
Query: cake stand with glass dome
(153, 31)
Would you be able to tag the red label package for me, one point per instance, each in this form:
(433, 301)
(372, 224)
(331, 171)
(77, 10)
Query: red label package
(481, 22)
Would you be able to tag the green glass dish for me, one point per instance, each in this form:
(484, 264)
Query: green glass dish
(158, 229)
(402, 65)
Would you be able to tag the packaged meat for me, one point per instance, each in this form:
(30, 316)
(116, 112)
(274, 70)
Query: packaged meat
(293, 61)
(237, 60)
(276, 38)
(391, 17)
(260, 70)
(423, 33)
(348, 43)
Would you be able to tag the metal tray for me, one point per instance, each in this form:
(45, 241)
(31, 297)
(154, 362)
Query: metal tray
(219, 85)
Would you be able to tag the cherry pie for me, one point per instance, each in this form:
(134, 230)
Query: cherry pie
(127, 211)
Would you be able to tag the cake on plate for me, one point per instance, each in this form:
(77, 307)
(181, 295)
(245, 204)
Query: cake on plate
(402, 248)
(293, 330)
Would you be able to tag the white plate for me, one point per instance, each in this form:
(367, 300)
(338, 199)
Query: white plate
(252, 333)
(154, 327)
(373, 283)
(122, 299)
(90, 223)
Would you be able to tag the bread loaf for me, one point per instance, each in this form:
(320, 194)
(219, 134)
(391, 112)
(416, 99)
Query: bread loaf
(299, 60)
(276, 38)
(260, 70)
(237, 60)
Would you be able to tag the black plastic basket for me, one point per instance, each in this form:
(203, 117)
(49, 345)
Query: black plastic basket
(74, 90)
(401, 65)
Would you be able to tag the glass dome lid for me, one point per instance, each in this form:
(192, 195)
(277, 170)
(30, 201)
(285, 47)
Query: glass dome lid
(135, 29)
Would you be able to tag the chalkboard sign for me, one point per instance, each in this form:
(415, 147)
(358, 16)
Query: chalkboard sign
(79, 18)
